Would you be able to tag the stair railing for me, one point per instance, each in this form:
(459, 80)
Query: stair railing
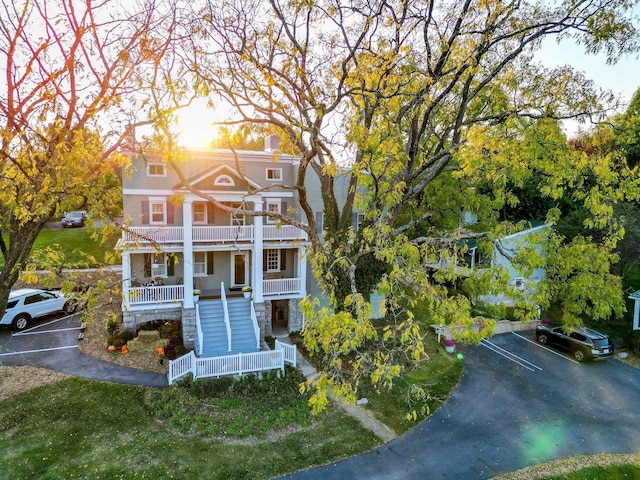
(199, 330)
(223, 296)
(256, 328)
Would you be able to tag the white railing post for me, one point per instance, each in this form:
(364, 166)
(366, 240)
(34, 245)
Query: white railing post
(256, 328)
(199, 330)
(227, 323)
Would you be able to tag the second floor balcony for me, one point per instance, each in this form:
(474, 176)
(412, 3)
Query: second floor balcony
(211, 234)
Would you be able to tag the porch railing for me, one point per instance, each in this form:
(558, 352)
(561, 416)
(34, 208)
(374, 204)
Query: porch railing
(281, 286)
(223, 234)
(159, 234)
(154, 294)
(284, 232)
(242, 233)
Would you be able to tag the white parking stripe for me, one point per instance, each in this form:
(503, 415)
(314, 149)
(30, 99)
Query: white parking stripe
(26, 332)
(512, 357)
(46, 331)
(38, 351)
(545, 348)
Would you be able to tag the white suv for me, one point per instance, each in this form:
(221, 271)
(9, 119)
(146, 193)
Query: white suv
(26, 304)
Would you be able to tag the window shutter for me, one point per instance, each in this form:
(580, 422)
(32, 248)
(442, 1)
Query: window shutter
(170, 216)
(145, 212)
(210, 210)
(283, 208)
(283, 260)
(209, 263)
(147, 264)
(171, 265)
(319, 218)
(354, 220)
(264, 260)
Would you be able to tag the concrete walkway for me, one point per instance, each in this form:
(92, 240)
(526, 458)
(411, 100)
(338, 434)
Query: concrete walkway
(357, 411)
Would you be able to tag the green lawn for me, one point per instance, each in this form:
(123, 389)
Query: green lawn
(81, 428)
(80, 250)
(611, 472)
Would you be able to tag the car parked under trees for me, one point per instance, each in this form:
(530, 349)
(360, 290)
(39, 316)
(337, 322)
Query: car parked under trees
(26, 304)
(582, 343)
(74, 219)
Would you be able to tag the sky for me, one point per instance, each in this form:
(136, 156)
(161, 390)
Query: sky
(622, 78)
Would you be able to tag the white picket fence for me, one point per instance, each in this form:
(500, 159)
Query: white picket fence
(239, 364)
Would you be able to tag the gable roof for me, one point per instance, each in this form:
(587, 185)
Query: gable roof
(206, 180)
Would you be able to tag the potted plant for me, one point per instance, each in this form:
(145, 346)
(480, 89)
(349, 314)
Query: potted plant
(449, 345)
(246, 291)
(196, 294)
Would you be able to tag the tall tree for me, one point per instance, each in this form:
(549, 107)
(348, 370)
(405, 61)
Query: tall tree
(393, 90)
(72, 74)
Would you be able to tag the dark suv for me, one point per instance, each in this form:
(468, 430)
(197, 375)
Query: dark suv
(582, 342)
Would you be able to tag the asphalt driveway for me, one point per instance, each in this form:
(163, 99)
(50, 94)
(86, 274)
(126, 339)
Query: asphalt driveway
(517, 404)
(53, 344)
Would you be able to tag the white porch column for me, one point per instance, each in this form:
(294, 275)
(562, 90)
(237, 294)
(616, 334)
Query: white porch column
(302, 269)
(187, 251)
(126, 276)
(256, 261)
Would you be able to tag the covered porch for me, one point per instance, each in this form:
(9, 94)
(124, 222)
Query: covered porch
(169, 295)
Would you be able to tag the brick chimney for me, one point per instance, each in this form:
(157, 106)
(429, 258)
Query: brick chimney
(272, 143)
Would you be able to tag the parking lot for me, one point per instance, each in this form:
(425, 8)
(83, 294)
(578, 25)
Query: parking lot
(517, 404)
(53, 344)
(54, 333)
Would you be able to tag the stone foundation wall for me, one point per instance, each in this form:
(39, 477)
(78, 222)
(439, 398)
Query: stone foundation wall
(133, 319)
(189, 327)
(263, 311)
(296, 320)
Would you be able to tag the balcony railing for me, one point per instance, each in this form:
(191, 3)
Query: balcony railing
(153, 234)
(223, 234)
(244, 233)
(154, 294)
(282, 286)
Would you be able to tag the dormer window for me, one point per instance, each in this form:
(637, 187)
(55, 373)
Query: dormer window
(156, 170)
(224, 181)
(274, 174)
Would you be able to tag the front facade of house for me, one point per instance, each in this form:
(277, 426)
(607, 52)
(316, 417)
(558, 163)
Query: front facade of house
(175, 242)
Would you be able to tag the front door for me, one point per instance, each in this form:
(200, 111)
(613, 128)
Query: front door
(239, 269)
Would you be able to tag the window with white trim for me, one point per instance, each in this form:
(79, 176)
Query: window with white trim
(156, 170)
(224, 181)
(273, 206)
(158, 265)
(274, 174)
(273, 260)
(519, 283)
(199, 213)
(359, 220)
(237, 219)
(157, 211)
(200, 263)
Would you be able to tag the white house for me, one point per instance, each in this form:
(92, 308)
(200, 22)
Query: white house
(176, 243)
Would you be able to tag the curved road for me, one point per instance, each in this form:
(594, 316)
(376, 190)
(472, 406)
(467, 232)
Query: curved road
(517, 404)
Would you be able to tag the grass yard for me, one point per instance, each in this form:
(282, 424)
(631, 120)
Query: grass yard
(436, 378)
(611, 472)
(79, 248)
(81, 428)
